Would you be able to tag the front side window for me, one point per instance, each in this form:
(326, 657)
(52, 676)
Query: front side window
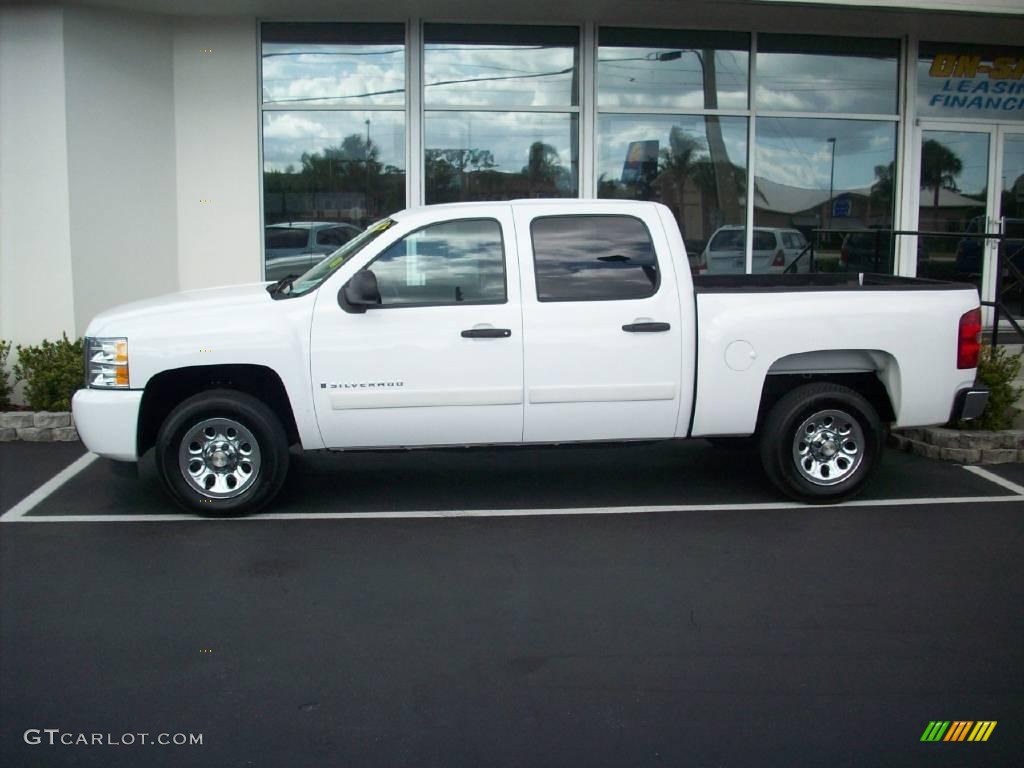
(455, 262)
(593, 258)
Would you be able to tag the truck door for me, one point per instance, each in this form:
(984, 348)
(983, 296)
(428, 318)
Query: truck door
(602, 327)
(440, 360)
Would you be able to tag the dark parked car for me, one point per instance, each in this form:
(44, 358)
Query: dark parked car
(292, 248)
(970, 250)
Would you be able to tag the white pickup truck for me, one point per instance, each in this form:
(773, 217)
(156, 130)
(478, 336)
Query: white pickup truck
(524, 322)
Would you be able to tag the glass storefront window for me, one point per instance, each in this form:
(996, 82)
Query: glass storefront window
(334, 138)
(694, 164)
(499, 155)
(800, 73)
(831, 175)
(500, 66)
(970, 82)
(501, 118)
(325, 65)
(672, 70)
(478, 143)
(326, 175)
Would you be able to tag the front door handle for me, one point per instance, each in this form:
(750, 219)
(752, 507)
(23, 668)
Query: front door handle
(646, 327)
(487, 333)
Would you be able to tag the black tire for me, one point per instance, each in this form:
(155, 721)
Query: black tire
(252, 415)
(824, 457)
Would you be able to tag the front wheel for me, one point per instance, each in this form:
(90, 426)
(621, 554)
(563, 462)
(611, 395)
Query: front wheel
(821, 443)
(222, 452)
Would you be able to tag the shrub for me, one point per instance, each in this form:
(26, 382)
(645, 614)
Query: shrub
(52, 371)
(997, 370)
(5, 384)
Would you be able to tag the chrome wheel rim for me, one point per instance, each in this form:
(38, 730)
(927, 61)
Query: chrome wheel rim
(828, 447)
(219, 458)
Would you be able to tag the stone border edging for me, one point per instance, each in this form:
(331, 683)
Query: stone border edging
(963, 446)
(37, 426)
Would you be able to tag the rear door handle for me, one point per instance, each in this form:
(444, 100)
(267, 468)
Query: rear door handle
(487, 333)
(646, 327)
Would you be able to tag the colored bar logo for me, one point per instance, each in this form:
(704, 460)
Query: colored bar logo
(958, 730)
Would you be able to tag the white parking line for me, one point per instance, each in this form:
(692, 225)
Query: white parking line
(18, 513)
(22, 507)
(550, 512)
(993, 477)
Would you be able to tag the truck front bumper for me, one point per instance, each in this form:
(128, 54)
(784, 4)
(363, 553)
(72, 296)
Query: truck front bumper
(107, 420)
(969, 403)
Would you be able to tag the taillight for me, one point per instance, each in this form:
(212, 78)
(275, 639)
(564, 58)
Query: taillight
(780, 258)
(968, 339)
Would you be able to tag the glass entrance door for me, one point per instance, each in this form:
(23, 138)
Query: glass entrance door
(972, 183)
(1010, 181)
(955, 203)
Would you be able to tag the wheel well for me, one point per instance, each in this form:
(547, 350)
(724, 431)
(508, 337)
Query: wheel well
(866, 384)
(169, 388)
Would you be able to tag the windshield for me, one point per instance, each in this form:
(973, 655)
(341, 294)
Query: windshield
(330, 263)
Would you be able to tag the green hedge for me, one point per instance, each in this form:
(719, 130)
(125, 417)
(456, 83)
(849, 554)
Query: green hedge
(997, 370)
(5, 384)
(52, 371)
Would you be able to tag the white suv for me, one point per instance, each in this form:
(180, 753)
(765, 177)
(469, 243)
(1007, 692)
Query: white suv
(774, 250)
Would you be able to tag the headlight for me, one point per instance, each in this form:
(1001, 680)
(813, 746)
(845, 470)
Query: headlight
(106, 363)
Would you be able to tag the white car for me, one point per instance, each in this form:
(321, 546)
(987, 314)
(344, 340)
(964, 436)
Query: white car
(773, 251)
(525, 322)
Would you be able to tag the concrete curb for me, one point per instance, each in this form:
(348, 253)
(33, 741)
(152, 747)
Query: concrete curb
(962, 446)
(37, 426)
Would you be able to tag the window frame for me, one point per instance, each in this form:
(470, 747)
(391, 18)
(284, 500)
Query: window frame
(533, 256)
(489, 302)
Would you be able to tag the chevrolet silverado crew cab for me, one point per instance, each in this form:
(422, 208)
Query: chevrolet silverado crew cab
(522, 323)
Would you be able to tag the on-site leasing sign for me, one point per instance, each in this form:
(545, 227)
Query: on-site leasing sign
(954, 81)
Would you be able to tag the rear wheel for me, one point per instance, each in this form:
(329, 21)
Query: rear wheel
(222, 452)
(821, 443)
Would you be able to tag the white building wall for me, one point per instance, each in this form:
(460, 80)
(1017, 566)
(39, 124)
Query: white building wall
(36, 276)
(215, 76)
(121, 170)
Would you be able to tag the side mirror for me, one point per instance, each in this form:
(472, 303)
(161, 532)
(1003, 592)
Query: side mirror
(360, 292)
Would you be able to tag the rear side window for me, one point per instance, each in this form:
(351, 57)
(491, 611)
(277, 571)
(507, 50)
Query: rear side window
(793, 239)
(593, 258)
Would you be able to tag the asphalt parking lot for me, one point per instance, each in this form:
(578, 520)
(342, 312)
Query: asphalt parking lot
(644, 605)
